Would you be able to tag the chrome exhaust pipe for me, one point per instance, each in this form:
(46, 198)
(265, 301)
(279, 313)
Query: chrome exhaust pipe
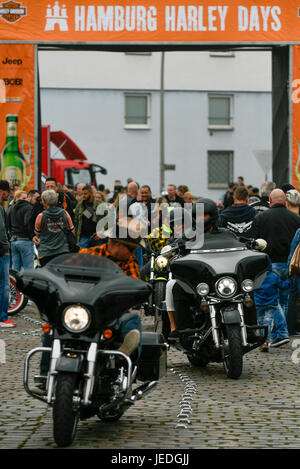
(215, 329)
(142, 390)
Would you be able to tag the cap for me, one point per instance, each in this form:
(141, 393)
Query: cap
(4, 185)
(126, 232)
(287, 187)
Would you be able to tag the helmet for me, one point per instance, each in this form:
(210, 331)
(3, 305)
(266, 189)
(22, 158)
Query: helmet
(211, 209)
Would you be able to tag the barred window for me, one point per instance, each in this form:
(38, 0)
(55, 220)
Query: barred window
(219, 166)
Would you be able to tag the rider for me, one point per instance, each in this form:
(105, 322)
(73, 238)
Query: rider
(163, 234)
(180, 222)
(121, 250)
(178, 302)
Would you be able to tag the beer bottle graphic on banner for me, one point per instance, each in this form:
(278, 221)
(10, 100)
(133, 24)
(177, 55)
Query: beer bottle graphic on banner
(12, 161)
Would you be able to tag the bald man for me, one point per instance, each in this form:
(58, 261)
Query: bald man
(277, 226)
(132, 189)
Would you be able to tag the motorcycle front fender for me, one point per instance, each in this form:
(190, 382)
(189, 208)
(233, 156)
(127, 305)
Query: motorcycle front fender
(230, 315)
(68, 364)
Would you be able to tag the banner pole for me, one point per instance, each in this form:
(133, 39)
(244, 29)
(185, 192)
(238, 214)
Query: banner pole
(290, 93)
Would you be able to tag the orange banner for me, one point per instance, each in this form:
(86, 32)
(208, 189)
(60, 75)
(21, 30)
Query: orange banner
(150, 21)
(296, 118)
(17, 111)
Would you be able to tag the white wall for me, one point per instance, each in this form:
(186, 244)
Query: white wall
(94, 119)
(82, 93)
(245, 71)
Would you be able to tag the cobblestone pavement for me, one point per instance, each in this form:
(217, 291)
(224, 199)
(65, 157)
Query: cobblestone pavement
(260, 410)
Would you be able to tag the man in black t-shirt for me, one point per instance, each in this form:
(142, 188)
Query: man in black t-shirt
(86, 219)
(173, 198)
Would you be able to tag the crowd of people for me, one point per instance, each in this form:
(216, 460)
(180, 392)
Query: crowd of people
(35, 225)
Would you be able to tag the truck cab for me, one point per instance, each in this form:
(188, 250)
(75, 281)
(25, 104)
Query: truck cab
(75, 168)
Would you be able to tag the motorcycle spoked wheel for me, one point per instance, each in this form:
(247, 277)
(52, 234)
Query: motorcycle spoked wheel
(17, 299)
(161, 319)
(232, 352)
(65, 417)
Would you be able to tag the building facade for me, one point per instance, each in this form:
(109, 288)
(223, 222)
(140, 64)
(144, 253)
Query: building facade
(217, 114)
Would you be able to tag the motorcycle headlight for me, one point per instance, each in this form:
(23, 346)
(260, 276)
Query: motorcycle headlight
(161, 262)
(226, 287)
(202, 289)
(76, 318)
(247, 285)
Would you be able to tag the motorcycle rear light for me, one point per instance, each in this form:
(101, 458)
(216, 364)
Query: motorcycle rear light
(107, 334)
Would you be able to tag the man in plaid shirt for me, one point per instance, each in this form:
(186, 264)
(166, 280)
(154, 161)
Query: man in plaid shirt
(118, 252)
(121, 251)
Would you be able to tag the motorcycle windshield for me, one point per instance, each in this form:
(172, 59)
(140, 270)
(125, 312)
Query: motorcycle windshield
(84, 263)
(216, 240)
(221, 254)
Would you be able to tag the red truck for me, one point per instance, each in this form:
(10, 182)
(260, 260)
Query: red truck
(75, 168)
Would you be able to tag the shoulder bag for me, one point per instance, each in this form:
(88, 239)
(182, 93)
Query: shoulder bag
(294, 267)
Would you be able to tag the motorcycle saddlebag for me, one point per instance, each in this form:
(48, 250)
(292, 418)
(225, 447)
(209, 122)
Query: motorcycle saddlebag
(152, 363)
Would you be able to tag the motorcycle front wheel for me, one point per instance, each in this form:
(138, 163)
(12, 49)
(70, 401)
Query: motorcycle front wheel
(65, 417)
(161, 320)
(17, 300)
(232, 353)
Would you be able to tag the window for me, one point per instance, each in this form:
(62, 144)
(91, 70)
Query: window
(137, 111)
(220, 111)
(219, 169)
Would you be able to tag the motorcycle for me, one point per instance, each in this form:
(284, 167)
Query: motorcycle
(81, 298)
(219, 278)
(156, 306)
(17, 300)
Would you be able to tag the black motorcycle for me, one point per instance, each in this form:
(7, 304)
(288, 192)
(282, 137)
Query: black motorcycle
(218, 279)
(82, 298)
(17, 300)
(159, 274)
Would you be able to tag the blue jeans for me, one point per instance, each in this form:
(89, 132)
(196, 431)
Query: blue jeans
(139, 256)
(128, 322)
(280, 329)
(292, 314)
(22, 254)
(86, 242)
(4, 286)
(265, 316)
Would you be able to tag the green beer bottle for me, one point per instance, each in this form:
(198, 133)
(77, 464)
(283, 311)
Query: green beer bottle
(12, 161)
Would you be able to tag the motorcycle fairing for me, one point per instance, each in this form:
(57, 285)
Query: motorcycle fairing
(89, 280)
(207, 266)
